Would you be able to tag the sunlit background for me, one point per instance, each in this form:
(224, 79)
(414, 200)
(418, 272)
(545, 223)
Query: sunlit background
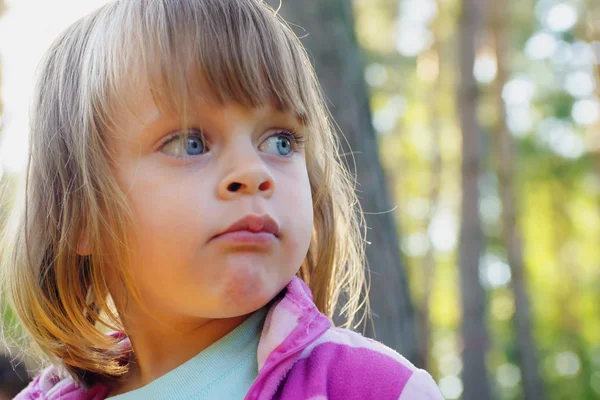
(553, 114)
(411, 67)
(27, 29)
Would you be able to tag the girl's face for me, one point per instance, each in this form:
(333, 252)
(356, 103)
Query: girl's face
(245, 173)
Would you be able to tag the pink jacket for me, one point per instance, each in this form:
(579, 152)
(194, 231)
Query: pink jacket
(300, 356)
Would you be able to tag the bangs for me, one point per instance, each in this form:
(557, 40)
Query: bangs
(219, 50)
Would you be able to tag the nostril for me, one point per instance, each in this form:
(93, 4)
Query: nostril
(234, 187)
(265, 186)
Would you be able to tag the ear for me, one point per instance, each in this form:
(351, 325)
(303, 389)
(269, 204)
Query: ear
(83, 245)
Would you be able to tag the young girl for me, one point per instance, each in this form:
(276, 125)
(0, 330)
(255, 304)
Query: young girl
(184, 198)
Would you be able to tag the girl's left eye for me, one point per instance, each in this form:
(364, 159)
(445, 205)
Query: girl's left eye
(281, 144)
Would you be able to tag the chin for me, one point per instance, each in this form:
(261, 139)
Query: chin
(252, 288)
(247, 297)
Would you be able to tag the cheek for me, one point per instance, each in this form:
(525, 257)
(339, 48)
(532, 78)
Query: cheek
(300, 208)
(168, 205)
(169, 228)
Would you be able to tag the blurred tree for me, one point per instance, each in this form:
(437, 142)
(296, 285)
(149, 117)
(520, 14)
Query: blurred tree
(429, 262)
(327, 31)
(475, 339)
(533, 386)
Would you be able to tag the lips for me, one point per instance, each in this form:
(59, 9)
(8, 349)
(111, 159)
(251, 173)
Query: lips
(253, 224)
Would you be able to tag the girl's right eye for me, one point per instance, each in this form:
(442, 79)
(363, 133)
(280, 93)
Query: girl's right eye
(185, 144)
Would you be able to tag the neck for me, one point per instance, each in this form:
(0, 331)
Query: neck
(158, 350)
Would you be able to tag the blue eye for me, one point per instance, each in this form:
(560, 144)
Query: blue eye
(278, 144)
(184, 145)
(195, 146)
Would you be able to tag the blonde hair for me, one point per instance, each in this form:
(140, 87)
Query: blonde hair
(230, 50)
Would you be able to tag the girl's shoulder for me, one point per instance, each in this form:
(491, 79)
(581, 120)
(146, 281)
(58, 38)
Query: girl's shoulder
(301, 356)
(349, 365)
(49, 385)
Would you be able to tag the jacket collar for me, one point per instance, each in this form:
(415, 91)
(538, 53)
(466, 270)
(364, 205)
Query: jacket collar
(292, 323)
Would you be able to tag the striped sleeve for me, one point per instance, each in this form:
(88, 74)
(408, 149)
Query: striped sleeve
(421, 386)
(344, 364)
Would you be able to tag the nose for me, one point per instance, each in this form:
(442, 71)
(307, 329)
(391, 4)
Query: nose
(248, 178)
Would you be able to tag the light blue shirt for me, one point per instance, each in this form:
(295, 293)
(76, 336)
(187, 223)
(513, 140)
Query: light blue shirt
(225, 370)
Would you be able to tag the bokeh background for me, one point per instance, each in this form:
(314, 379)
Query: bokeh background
(473, 127)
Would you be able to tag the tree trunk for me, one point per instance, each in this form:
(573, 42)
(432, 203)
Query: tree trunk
(533, 386)
(429, 261)
(327, 29)
(473, 297)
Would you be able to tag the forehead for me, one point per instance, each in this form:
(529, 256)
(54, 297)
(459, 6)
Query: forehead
(142, 115)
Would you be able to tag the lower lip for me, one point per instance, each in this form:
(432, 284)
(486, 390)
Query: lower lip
(248, 238)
